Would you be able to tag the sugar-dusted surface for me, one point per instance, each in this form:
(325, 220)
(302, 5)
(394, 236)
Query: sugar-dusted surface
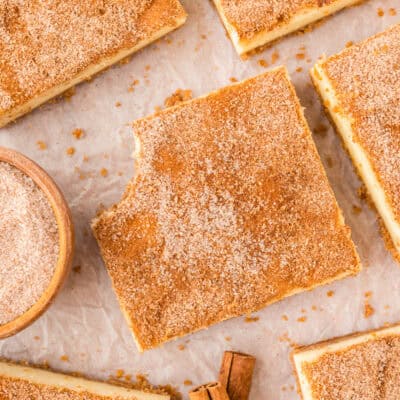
(28, 243)
(366, 81)
(252, 17)
(47, 43)
(367, 371)
(231, 210)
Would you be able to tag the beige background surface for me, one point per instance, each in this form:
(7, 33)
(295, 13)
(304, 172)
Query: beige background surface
(85, 322)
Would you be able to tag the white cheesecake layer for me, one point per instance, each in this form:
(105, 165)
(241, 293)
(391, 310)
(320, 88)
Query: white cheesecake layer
(358, 154)
(298, 21)
(55, 380)
(337, 345)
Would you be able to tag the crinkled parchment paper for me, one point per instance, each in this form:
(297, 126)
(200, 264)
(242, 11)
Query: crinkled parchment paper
(85, 322)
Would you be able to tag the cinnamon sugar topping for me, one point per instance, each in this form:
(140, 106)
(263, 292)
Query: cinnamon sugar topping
(45, 44)
(231, 210)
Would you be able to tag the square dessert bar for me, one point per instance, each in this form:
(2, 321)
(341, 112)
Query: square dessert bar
(360, 88)
(364, 366)
(48, 46)
(253, 23)
(21, 382)
(231, 210)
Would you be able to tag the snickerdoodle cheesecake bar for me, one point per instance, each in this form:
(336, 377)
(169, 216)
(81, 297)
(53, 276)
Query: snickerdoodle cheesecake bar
(364, 366)
(22, 382)
(230, 210)
(254, 23)
(48, 46)
(360, 89)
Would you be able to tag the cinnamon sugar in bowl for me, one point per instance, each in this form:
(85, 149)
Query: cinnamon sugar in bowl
(36, 241)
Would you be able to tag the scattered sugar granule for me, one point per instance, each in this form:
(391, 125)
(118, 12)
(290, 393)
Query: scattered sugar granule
(380, 12)
(29, 243)
(330, 293)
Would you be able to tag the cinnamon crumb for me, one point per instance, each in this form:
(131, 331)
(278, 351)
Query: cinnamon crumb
(64, 358)
(233, 79)
(392, 12)
(368, 310)
(70, 151)
(69, 93)
(285, 317)
(330, 293)
(78, 133)
(181, 347)
(286, 339)
(275, 57)
(179, 96)
(36, 337)
(263, 63)
(302, 319)
(118, 104)
(187, 382)
(349, 43)
(228, 338)
(125, 60)
(104, 172)
(299, 69)
(41, 145)
(380, 12)
(250, 319)
(119, 373)
(300, 56)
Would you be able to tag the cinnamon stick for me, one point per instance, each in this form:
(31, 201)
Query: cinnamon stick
(236, 374)
(211, 391)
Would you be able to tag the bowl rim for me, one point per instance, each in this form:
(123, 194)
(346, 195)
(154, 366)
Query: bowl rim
(66, 238)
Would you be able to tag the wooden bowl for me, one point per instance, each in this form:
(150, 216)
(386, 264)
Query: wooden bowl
(66, 237)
